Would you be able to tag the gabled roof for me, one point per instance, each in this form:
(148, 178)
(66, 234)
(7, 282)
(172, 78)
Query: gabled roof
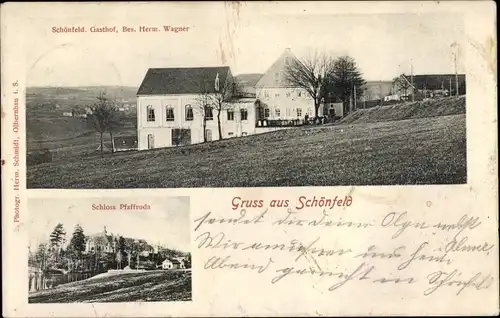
(188, 80)
(269, 79)
(172, 260)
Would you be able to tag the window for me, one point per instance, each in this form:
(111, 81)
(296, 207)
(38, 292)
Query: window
(209, 113)
(287, 61)
(266, 94)
(299, 112)
(288, 112)
(276, 77)
(288, 94)
(244, 114)
(299, 93)
(277, 112)
(189, 113)
(244, 134)
(266, 112)
(309, 111)
(150, 113)
(230, 114)
(276, 94)
(170, 113)
(230, 133)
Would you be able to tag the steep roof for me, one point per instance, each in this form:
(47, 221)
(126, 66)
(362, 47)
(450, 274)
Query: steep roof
(171, 260)
(188, 80)
(275, 75)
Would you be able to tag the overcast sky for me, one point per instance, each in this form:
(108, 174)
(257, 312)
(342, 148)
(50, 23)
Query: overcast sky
(384, 45)
(166, 223)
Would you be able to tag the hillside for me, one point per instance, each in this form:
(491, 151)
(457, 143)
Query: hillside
(420, 109)
(173, 285)
(416, 151)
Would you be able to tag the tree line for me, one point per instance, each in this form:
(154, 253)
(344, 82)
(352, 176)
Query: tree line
(108, 252)
(326, 78)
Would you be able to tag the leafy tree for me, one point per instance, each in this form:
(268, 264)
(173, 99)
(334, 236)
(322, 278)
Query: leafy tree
(41, 256)
(312, 74)
(188, 260)
(57, 239)
(104, 117)
(58, 236)
(77, 244)
(344, 76)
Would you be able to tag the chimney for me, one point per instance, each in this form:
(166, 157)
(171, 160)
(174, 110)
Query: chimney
(289, 50)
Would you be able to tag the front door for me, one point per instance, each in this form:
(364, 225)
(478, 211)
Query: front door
(151, 141)
(181, 137)
(208, 133)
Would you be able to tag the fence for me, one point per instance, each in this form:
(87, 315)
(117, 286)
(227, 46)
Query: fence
(291, 122)
(39, 280)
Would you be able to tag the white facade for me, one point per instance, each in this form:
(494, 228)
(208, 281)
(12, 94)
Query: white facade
(171, 113)
(167, 264)
(287, 102)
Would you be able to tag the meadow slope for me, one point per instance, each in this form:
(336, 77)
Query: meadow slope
(410, 110)
(415, 151)
(143, 286)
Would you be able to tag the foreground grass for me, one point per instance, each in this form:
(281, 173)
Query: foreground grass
(145, 286)
(416, 151)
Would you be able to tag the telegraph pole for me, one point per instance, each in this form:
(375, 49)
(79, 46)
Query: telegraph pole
(380, 93)
(355, 107)
(412, 86)
(456, 73)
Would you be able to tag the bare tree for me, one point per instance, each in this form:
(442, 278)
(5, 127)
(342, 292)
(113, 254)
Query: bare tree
(312, 74)
(219, 100)
(103, 117)
(203, 100)
(213, 94)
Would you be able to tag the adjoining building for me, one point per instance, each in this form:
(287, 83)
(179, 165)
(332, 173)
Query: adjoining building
(278, 98)
(175, 105)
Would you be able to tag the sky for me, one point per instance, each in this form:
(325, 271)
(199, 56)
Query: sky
(246, 39)
(167, 222)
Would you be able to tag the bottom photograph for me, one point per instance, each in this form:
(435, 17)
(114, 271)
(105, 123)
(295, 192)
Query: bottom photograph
(109, 250)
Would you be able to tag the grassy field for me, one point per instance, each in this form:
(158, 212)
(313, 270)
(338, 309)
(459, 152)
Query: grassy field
(415, 151)
(410, 110)
(144, 286)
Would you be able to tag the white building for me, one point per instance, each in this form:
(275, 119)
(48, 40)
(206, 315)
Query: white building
(282, 100)
(171, 264)
(167, 264)
(170, 107)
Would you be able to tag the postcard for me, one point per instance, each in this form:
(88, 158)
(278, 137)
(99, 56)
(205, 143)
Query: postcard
(249, 159)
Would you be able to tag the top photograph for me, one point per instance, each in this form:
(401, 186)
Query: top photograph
(236, 98)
